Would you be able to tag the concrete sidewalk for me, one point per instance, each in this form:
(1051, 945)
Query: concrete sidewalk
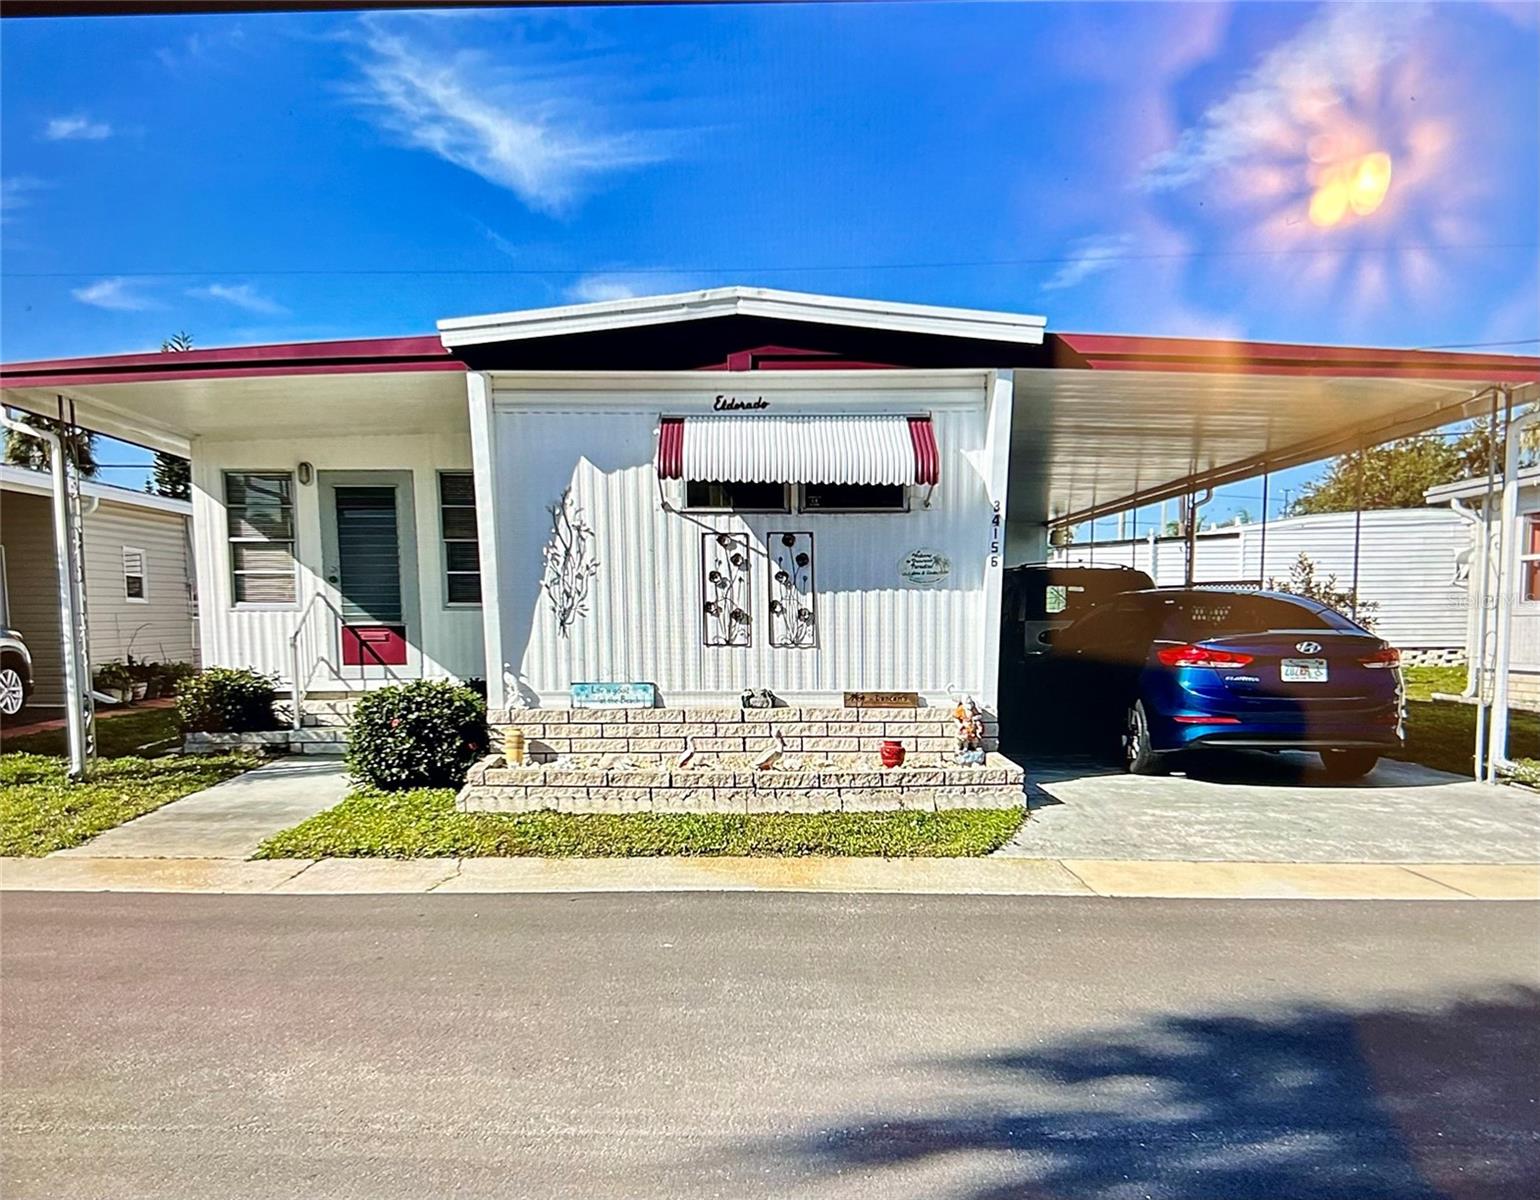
(229, 820)
(938, 876)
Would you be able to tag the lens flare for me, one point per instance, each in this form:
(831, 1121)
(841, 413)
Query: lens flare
(1371, 180)
(1358, 186)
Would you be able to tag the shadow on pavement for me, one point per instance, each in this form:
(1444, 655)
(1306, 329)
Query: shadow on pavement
(1318, 1103)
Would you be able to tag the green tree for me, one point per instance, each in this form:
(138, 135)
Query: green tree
(170, 476)
(180, 340)
(24, 451)
(1397, 474)
(1394, 475)
(1303, 581)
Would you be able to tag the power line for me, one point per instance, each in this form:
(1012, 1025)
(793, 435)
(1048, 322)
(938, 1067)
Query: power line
(740, 270)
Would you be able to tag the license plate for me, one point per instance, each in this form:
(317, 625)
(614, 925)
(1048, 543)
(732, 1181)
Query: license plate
(1304, 670)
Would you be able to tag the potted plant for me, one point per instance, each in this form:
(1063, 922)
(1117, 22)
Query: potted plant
(114, 681)
(172, 675)
(146, 678)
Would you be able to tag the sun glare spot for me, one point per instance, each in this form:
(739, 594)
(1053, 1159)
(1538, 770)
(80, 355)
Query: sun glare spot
(1358, 185)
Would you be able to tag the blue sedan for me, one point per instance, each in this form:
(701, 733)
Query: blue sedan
(1192, 669)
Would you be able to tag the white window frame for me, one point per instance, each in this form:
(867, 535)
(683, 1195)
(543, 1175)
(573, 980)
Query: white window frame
(1529, 518)
(445, 540)
(143, 575)
(231, 541)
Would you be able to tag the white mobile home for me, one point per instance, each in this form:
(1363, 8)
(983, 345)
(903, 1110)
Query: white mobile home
(701, 493)
(140, 596)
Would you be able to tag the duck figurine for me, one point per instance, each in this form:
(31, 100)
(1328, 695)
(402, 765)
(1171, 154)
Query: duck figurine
(772, 755)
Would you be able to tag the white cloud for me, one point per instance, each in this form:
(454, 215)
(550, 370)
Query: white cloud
(116, 293)
(524, 132)
(1090, 256)
(622, 285)
(15, 192)
(1293, 85)
(242, 295)
(77, 128)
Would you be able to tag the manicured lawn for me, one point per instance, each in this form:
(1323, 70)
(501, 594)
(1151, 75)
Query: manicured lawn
(424, 824)
(42, 811)
(1441, 733)
(148, 731)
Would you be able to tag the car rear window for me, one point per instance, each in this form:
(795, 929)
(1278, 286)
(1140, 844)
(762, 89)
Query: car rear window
(1216, 614)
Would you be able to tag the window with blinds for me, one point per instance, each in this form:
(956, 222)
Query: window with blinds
(457, 521)
(133, 575)
(259, 509)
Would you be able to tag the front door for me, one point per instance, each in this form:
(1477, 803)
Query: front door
(371, 570)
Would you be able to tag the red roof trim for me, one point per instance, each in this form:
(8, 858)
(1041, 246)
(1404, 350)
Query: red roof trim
(1114, 352)
(421, 353)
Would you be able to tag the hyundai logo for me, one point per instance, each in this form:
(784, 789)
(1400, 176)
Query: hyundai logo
(1308, 647)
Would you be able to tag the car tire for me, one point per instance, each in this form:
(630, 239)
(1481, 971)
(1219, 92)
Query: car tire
(1139, 756)
(13, 692)
(1343, 766)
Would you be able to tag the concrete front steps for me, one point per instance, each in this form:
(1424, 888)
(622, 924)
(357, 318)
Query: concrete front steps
(323, 731)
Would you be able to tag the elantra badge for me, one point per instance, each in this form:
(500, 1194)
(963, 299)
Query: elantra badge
(1308, 647)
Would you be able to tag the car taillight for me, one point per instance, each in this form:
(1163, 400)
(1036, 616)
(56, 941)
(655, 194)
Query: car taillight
(1381, 659)
(1200, 656)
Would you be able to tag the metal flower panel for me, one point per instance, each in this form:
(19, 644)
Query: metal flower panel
(793, 619)
(725, 619)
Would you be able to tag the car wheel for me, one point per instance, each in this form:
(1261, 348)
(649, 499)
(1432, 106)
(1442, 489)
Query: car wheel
(13, 692)
(1345, 765)
(1138, 755)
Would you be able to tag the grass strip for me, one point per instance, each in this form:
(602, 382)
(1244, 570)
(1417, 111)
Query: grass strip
(424, 824)
(41, 810)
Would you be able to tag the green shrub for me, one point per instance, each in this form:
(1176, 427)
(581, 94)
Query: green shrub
(422, 734)
(228, 700)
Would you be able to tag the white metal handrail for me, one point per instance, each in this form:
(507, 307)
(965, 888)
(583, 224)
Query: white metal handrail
(300, 681)
(299, 675)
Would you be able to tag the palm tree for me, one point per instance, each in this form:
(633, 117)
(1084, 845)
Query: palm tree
(24, 451)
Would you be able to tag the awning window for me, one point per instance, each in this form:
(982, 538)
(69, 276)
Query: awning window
(800, 449)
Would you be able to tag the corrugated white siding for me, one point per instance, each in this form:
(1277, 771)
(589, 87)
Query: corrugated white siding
(643, 612)
(162, 628)
(1406, 564)
(449, 642)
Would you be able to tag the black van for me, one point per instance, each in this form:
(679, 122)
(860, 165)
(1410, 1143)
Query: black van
(1039, 598)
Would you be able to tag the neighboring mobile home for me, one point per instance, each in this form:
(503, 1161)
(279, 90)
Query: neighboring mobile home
(138, 569)
(1468, 497)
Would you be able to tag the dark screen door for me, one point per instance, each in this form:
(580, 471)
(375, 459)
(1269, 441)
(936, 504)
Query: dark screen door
(368, 554)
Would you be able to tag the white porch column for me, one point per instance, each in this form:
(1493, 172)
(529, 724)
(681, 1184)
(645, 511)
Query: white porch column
(483, 469)
(1000, 390)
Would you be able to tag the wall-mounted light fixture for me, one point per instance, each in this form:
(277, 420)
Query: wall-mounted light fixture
(305, 472)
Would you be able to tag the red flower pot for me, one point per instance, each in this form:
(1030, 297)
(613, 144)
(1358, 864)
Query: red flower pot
(892, 754)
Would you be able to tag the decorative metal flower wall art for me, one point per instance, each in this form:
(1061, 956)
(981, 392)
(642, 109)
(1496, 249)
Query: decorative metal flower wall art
(793, 623)
(569, 562)
(725, 619)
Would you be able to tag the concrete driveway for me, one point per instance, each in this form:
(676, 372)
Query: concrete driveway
(1255, 807)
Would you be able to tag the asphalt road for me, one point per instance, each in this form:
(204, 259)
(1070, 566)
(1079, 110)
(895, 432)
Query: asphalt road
(749, 1045)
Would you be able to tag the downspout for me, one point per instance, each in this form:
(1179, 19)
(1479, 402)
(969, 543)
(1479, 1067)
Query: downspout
(69, 623)
(1497, 752)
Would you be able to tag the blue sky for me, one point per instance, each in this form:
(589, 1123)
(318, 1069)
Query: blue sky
(1156, 168)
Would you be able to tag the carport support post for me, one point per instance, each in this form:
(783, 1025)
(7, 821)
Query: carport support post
(1358, 520)
(76, 667)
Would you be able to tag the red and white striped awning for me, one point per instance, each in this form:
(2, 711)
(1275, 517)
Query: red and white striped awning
(800, 449)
